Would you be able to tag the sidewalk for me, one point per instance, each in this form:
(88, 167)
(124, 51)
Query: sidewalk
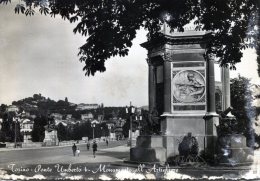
(122, 148)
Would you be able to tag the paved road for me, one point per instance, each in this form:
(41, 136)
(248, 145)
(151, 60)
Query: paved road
(61, 155)
(59, 162)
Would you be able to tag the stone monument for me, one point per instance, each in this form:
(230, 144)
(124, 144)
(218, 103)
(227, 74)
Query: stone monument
(182, 94)
(51, 136)
(182, 91)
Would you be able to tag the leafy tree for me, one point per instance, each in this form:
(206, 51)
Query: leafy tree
(2, 136)
(62, 132)
(38, 128)
(111, 25)
(126, 128)
(241, 101)
(3, 108)
(6, 128)
(104, 129)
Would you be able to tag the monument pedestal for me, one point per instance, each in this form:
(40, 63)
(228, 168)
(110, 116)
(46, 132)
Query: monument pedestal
(149, 149)
(211, 123)
(51, 138)
(175, 127)
(233, 151)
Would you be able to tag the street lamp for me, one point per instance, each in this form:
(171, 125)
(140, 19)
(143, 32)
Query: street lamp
(15, 120)
(109, 131)
(130, 110)
(93, 125)
(101, 131)
(139, 119)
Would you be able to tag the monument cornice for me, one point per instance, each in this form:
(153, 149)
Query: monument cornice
(175, 40)
(159, 58)
(184, 114)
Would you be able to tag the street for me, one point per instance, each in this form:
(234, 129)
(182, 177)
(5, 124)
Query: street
(58, 162)
(62, 155)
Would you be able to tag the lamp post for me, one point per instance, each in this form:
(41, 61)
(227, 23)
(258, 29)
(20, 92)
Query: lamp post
(109, 131)
(101, 131)
(139, 119)
(93, 125)
(15, 119)
(130, 110)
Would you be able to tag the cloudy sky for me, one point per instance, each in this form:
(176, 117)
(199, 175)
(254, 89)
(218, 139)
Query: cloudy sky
(38, 54)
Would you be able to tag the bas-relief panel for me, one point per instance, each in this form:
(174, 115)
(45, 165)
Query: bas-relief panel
(188, 86)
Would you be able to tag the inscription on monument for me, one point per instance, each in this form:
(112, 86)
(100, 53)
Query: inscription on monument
(188, 86)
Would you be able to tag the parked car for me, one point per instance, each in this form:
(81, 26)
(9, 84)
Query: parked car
(2, 145)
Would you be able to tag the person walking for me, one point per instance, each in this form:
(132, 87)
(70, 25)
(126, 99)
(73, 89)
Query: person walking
(77, 152)
(74, 148)
(88, 145)
(107, 142)
(94, 147)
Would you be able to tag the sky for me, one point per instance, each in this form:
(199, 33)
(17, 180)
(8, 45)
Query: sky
(38, 54)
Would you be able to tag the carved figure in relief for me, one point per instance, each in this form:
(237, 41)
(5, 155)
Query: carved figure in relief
(189, 86)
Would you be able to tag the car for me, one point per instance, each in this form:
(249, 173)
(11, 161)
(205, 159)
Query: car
(2, 145)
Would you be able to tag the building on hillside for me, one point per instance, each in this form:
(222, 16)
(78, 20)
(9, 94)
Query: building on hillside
(72, 104)
(27, 106)
(62, 123)
(25, 114)
(82, 106)
(33, 116)
(57, 116)
(94, 122)
(12, 108)
(115, 127)
(88, 116)
(26, 130)
(69, 116)
(100, 118)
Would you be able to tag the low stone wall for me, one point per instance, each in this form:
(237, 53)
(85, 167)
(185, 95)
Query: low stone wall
(66, 143)
(9, 145)
(32, 145)
(24, 145)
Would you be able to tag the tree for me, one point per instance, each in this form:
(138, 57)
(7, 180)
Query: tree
(38, 128)
(126, 128)
(241, 101)
(111, 25)
(62, 132)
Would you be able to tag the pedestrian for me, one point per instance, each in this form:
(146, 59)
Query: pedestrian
(107, 142)
(88, 145)
(74, 148)
(77, 152)
(94, 147)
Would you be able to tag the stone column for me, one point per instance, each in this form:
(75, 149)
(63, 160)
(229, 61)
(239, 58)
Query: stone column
(211, 118)
(210, 79)
(167, 87)
(225, 79)
(152, 94)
